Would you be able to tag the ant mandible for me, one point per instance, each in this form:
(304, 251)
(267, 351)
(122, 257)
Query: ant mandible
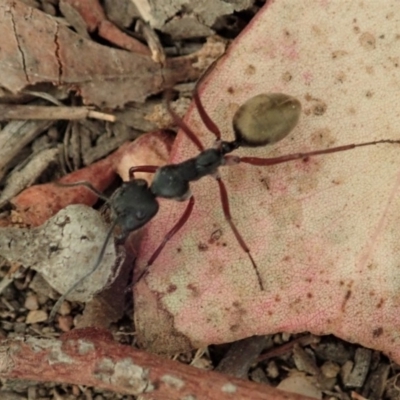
(264, 119)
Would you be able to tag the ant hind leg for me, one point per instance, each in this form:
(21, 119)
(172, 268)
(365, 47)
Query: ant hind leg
(228, 217)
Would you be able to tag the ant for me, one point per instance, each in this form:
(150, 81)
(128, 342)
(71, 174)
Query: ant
(262, 120)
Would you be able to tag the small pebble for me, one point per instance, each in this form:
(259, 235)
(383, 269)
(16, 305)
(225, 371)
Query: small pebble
(7, 326)
(65, 308)
(6, 395)
(272, 370)
(20, 327)
(304, 361)
(330, 369)
(286, 336)
(42, 298)
(47, 330)
(258, 375)
(9, 292)
(31, 302)
(36, 316)
(32, 393)
(277, 339)
(76, 391)
(65, 322)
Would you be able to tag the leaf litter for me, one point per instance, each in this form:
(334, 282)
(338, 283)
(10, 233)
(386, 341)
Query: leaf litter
(333, 367)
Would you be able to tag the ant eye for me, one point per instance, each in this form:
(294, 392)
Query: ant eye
(266, 118)
(140, 215)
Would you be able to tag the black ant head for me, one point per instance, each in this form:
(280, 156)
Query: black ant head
(265, 119)
(133, 205)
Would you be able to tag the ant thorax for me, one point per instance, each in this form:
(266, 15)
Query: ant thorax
(173, 181)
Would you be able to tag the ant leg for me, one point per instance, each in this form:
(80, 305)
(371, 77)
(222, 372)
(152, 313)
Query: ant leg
(86, 184)
(182, 220)
(142, 168)
(300, 156)
(182, 125)
(57, 306)
(228, 217)
(208, 122)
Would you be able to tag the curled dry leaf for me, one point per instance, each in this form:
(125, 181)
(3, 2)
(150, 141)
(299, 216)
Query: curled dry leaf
(150, 149)
(324, 232)
(95, 19)
(64, 249)
(37, 49)
(302, 384)
(38, 203)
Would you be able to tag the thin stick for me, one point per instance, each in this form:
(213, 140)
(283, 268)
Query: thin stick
(18, 112)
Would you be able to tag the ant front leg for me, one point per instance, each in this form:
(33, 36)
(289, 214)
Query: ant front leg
(182, 125)
(142, 168)
(182, 220)
(208, 122)
(228, 217)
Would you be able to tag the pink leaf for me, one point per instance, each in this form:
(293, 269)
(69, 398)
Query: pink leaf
(324, 233)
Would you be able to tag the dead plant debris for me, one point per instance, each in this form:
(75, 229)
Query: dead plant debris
(109, 62)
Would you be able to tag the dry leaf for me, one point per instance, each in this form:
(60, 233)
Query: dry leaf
(37, 49)
(324, 232)
(64, 249)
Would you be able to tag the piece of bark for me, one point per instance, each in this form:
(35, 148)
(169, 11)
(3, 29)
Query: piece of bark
(15, 136)
(198, 17)
(359, 372)
(90, 357)
(39, 50)
(92, 13)
(21, 178)
(241, 355)
(376, 382)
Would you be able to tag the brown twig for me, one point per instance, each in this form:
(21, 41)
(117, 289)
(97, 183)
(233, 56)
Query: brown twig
(287, 347)
(90, 357)
(19, 112)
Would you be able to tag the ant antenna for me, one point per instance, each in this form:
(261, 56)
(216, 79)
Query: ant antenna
(85, 184)
(57, 306)
(89, 186)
